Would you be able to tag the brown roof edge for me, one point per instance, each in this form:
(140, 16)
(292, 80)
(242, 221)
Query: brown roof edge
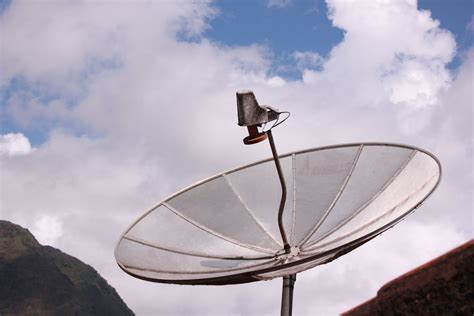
(464, 247)
(469, 245)
(349, 312)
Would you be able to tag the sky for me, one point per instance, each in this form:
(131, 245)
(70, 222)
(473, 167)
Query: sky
(108, 107)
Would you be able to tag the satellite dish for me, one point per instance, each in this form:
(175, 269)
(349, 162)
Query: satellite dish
(224, 230)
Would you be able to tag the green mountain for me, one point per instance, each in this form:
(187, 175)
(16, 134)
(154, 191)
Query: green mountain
(42, 280)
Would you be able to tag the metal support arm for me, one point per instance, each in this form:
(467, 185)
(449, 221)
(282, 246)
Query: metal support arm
(283, 192)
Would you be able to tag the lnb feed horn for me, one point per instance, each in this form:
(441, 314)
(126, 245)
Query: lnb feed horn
(253, 115)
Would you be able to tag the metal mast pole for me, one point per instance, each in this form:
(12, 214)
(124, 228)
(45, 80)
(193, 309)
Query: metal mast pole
(287, 295)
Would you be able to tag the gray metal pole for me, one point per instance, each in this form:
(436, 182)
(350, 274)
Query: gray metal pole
(287, 294)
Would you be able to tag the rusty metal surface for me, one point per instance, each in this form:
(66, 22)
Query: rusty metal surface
(249, 112)
(254, 135)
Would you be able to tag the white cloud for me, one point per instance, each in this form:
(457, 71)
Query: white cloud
(279, 3)
(14, 144)
(276, 81)
(385, 43)
(152, 114)
(47, 229)
(416, 84)
(307, 60)
(93, 36)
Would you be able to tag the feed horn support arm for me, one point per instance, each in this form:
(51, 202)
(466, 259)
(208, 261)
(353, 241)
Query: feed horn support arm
(283, 192)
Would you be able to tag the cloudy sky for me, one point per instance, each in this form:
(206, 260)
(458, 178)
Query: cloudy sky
(108, 107)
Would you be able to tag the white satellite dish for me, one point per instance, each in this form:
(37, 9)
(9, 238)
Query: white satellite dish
(238, 227)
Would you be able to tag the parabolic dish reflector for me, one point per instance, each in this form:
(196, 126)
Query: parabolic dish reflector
(224, 230)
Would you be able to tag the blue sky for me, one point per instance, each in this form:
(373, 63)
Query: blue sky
(294, 26)
(304, 26)
(299, 26)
